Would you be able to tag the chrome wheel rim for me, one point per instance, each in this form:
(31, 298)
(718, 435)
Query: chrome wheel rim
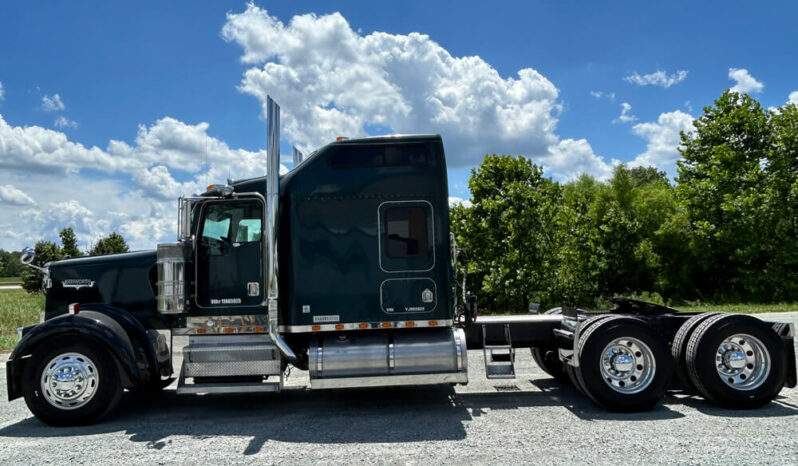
(69, 381)
(742, 362)
(627, 365)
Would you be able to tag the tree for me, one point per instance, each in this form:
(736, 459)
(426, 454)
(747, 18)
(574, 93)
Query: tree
(69, 244)
(112, 244)
(723, 185)
(505, 232)
(45, 251)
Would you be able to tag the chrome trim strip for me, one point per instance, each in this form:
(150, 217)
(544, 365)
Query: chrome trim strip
(390, 380)
(371, 326)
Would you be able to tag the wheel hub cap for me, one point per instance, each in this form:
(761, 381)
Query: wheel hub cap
(742, 362)
(69, 381)
(627, 365)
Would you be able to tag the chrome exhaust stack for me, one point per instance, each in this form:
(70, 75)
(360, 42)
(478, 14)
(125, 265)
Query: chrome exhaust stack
(272, 205)
(297, 156)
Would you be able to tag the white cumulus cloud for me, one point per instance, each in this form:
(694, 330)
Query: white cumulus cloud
(793, 99)
(453, 201)
(744, 82)
(657, 78)
(572, 157)
(625, 116)
(64, 122)
(52, 103)
(13, 196)
(663, 140)
(330, 80)
(167, 159)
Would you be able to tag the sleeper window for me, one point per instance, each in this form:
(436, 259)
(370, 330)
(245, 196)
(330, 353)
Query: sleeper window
(406, 232)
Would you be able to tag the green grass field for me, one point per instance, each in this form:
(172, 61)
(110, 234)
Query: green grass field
(10, 281)
(17, 309)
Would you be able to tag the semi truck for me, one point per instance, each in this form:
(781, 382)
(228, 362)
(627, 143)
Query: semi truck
(345, 267)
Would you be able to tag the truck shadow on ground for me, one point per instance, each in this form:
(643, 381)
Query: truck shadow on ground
(390, 415)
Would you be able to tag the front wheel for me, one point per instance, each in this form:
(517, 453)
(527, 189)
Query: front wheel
(71, 381)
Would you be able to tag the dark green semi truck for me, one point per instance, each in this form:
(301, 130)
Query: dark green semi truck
(344, 267)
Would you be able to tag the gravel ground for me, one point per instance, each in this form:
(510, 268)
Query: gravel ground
(527, 420)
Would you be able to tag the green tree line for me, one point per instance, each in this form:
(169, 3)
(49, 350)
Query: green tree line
(726, 229)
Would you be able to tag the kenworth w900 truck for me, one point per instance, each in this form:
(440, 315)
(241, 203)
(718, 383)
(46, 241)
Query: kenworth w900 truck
(344, 267)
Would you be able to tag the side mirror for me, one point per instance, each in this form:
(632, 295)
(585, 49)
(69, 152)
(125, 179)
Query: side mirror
(27, 256)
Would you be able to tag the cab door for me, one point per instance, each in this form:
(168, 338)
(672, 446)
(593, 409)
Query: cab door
(229, 256)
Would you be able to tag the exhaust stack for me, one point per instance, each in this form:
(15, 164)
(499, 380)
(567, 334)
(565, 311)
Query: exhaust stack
(297, 156)
(272, 207)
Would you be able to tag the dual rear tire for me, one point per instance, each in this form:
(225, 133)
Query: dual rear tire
(735, 361)
(623, 363)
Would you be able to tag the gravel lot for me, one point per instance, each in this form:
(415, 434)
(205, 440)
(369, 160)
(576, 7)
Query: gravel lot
(527, 420)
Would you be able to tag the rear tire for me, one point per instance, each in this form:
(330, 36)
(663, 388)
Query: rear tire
(736, 361)
(624, 364)
(71, 381)
(679, 349)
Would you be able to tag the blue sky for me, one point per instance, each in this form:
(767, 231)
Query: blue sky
(164, 79)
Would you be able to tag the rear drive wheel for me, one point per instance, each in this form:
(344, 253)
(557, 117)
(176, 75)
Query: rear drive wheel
(679, 348)
(570, 370)
(624, 364)
(736, 361)
(71, 381)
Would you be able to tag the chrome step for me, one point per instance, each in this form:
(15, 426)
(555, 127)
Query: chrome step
(230, 356)
(499, 359)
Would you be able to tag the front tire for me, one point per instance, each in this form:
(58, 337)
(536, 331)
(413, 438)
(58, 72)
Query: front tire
(71, 381)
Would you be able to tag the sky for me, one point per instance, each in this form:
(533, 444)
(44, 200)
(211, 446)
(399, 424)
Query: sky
(110, 111)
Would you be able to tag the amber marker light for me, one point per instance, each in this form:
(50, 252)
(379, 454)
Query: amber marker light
(316, 328)
(339, 326)
(229, 330)
(200, 330)
(362, 325)
(258, 329)
(433, 323)
(386, 325)
(410, 324)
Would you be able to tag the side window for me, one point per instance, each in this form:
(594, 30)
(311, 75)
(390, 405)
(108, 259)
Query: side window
(217, 222)
(233, 222)
(406, 232)
(406, 236)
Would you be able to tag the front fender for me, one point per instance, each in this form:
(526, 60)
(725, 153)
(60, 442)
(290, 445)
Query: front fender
(88, 324)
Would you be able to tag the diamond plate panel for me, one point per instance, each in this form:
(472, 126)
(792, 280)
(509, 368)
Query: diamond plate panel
(230, 368)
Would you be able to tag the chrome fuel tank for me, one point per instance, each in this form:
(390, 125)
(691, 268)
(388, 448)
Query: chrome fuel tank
(406, 357)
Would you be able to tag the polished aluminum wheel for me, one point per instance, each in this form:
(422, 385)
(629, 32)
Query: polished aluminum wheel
(742, 362)
(69, 381)
(628, 365)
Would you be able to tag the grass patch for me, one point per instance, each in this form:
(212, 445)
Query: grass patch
(17, 309)
(10, 281)
(739, 308)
